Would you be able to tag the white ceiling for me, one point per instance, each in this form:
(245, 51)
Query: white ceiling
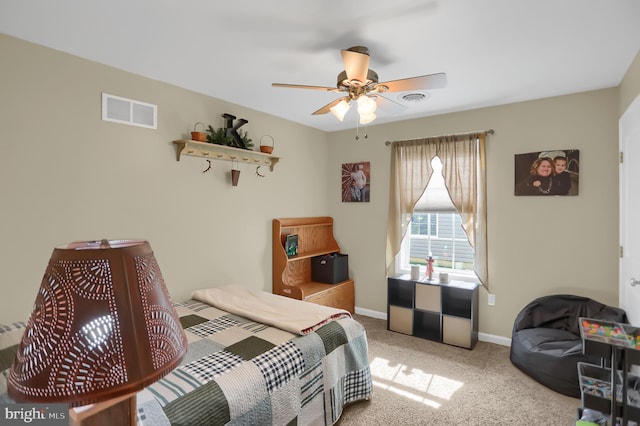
(493, 51)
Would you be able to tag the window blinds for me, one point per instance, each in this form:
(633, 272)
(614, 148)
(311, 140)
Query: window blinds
(436, 197)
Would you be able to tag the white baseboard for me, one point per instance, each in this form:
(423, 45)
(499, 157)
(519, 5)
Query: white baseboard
(483, 337)
(492, 338)
(372, 314)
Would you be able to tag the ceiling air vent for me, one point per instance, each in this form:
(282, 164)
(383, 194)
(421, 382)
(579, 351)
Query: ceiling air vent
(128, 111)
(414, 97)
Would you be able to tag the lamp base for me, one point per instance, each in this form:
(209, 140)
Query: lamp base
(116, 411)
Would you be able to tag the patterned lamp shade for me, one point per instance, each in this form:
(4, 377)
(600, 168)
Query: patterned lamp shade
(102, 326)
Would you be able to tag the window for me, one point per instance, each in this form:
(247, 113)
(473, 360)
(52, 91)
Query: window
(439, 235)
(414, 189)
(436, 230)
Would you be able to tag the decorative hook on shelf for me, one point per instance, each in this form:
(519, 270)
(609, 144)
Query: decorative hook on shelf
(208, 167)
(258, 172)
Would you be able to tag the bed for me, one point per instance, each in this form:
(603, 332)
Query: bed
(240, 371)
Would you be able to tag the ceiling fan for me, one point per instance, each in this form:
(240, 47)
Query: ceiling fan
(360, 84)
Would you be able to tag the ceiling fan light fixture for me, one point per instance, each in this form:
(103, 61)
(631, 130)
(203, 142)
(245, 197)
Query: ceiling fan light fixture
(357, 82)
(366, 109)
(366, 105)
(367, 118)
(340, 109)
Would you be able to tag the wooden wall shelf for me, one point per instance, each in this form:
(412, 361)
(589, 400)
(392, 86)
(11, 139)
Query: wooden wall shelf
(221, 152)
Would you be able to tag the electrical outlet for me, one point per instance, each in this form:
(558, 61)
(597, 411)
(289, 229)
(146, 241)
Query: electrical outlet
(491, 300)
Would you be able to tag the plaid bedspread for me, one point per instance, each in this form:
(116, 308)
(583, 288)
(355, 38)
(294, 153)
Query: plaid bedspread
(239, 372)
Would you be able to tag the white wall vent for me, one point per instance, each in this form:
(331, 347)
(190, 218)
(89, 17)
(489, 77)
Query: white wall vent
(128, 111)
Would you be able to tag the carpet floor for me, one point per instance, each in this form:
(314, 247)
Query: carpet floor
(420, 382)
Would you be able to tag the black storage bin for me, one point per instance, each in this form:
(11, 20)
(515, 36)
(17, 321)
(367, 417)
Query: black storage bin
(330, 268)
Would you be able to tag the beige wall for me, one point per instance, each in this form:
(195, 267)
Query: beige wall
(630, 85)
(67, 175)
(537, 246)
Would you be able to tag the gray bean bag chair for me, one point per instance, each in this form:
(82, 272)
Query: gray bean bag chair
(546, 343)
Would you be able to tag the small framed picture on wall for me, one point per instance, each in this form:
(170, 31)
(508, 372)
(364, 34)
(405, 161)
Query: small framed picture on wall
(356, 182)
(555, 172)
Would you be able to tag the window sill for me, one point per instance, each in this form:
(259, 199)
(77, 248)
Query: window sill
(453, 276)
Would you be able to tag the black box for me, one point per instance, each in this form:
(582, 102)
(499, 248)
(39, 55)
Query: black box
(330, 268)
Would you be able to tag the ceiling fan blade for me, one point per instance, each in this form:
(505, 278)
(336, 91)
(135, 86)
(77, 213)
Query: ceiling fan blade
(387, 105)
(300, 86)
(424, 82)
(356, 64)
(325, 109)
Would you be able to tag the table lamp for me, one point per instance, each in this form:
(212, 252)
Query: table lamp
(102, 328)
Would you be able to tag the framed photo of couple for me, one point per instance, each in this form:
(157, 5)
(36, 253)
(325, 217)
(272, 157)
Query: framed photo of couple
(553, 172)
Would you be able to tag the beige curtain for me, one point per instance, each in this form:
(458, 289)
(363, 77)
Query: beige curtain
(464, 168)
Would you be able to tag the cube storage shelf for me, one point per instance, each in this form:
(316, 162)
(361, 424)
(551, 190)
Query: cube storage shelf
(618, 345)
(446, 313)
